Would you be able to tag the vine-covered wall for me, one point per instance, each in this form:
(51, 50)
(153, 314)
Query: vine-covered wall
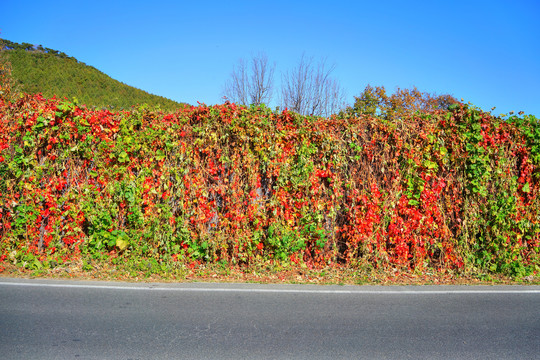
(449, 189)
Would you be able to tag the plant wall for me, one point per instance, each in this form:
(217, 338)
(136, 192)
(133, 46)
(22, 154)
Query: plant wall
(455, 189)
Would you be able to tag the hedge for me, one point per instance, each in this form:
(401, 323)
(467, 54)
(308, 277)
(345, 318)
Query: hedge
(455, 189)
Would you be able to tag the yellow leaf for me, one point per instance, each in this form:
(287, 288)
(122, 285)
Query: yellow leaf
(121, 244)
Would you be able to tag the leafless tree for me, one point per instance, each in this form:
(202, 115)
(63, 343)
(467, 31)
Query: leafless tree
(235, 88)
(253, 85)
(310, 90)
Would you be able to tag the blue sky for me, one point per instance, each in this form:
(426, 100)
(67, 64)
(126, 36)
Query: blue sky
(487, 52)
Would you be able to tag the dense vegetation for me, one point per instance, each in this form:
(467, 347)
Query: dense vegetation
(406, 183)
(53, 73)
(454, 189)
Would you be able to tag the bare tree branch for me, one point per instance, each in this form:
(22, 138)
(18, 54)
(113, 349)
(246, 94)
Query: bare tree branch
(262, 80)
(253, 86)
(236, 88)
(309, 89)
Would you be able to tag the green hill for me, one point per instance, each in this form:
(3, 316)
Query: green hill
(37, 69)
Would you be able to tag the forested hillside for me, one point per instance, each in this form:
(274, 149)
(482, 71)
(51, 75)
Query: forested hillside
(42, 70)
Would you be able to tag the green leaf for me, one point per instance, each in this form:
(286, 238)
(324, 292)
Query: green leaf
(443, 151)
(160, 155)
(123, 157)
(430, 165)
(526, 188)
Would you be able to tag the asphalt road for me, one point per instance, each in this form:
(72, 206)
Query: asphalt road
(41, 319)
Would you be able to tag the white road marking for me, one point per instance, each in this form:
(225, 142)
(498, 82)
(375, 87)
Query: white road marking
(281, 290)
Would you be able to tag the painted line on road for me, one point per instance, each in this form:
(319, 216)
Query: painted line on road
(284, 291)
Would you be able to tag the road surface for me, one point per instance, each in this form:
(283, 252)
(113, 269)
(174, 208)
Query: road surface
(46, 319)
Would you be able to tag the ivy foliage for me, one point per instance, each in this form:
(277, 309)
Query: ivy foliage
(446, 189)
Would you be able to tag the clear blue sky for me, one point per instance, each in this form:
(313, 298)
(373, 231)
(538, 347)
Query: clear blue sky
(487, 52)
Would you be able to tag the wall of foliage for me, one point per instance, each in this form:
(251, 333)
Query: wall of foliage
(456, 189)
